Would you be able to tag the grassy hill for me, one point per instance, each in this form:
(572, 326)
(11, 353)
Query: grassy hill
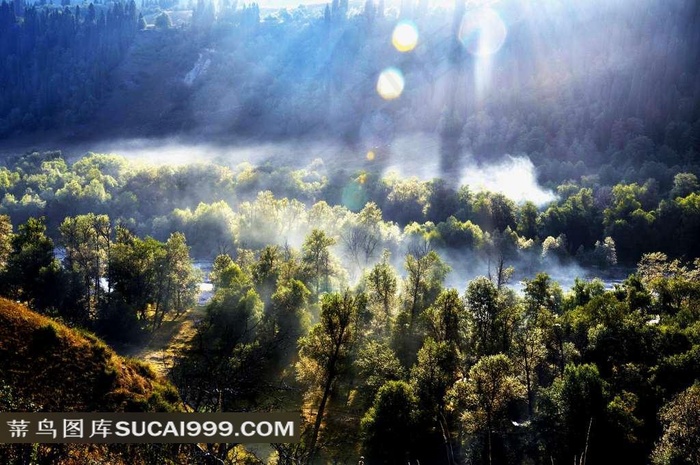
(50, 367)
(46, 366)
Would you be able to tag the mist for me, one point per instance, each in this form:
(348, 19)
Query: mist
(408, 156)
(514, 177)
(415, 155)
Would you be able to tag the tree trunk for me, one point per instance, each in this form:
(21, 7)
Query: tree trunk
(319, 414)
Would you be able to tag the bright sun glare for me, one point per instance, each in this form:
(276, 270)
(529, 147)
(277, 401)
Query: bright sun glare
(390, 84)
(405, 36)
(482, 31)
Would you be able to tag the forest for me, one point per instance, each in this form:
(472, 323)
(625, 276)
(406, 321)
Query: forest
(473, 243)
(392, 321)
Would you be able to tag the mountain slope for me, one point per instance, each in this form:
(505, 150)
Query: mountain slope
(46, 366)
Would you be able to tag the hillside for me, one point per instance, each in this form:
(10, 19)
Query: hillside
(49, 367)
(46, 366)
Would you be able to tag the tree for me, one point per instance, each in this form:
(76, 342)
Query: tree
(317, 259)
(627, 222)
(605, 253)
(32, 273)
(445, 317)
(133, 271)
(684, 184)
(381, 289)
(220, 276)
(484, 396)
(225, 365)
(363, 236)
(554, 249)
(87, 240)
(529, 351)
(482, 305)
(324, 352)
(5, 240)
(147, 274)
(376, 364)
(541, 296)
(390, 427)
(425, 274)
(680, 441)
(177, 278)
(163, 21)
(572, 407)
(434, 372)
(527, 220)
(265, 272)
(423, 283)
(578, 217)
(289, 317)
(494, 211)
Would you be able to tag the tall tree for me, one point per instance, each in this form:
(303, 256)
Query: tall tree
(317, 259)
(680, 442)
(324, 352)
(86, 239)
(133, 268)
(390, 427)
(485, 396)
(422, 285)
(381, 285)
(483, 310)
(177, 278)
(5, 240)
(32, 273)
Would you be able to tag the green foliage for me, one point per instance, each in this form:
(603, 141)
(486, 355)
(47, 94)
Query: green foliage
(572, 405)
(483, 398)
(483, 311)
(460, 235)
(527, 220)
(227, 359)
(434, 373)
(318, 261)
(324, 353)
(381, 285)
(32, 273)
(494, 212)
(390, 427)
(684, 184)
(407, 198)
(5, 240)
(541, 294)
(376, 365)
(627, 222)
(680, 442)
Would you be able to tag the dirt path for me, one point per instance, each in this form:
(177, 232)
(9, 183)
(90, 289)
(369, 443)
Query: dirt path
(168, 340)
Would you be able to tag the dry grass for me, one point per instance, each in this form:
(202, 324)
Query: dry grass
(55, 368)
(169, 340)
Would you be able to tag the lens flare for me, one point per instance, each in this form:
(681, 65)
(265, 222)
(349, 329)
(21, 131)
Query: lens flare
(405, 36)
(482, 32)
(390, 84)
(354, 195)
(370, 155)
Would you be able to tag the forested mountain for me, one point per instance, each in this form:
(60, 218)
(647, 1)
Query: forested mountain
(56, 61)
(575, 87)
